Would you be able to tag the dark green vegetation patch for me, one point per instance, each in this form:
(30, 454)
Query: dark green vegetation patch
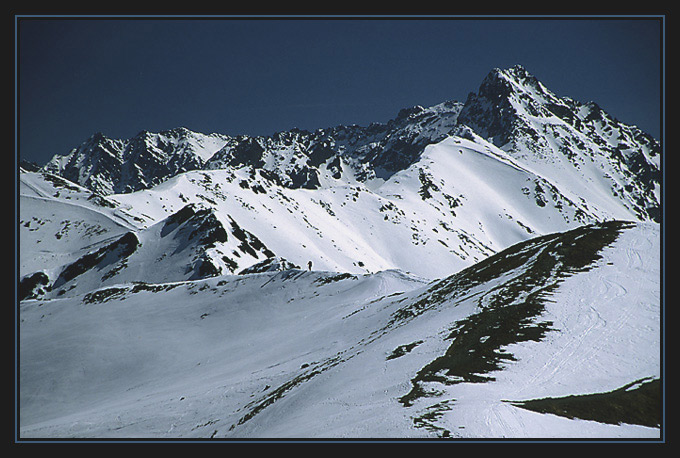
(508, 310)
(638, 403)
(401, 350)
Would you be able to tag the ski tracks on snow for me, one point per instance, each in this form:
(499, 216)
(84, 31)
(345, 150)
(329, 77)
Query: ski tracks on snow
(589, 332)
(589, 323)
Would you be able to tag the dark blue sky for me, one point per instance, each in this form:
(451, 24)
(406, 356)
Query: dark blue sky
(257, 77)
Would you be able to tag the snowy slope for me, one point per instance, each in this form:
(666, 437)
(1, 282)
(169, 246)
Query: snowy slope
(60, 221)
(323, 355)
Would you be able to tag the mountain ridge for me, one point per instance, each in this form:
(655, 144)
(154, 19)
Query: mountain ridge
(512, 109)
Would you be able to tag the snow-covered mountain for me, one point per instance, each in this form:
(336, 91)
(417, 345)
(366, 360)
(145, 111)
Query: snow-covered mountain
(429, 192)
(569, 143)
(459, 249)
(110, 166)
(574, 145)
(555, 337)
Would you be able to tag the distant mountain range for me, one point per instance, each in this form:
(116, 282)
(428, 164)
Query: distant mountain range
(512, 110)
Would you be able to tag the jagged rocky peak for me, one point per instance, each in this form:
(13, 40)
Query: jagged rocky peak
(99, 143)
(499, 84)
(561, 137)
(517, 75)
(507, 100)
(297, 157)
(492, 111)
(110, 166)
(95, 164)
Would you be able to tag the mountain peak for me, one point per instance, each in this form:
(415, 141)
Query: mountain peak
(516, 71)
(500, 83)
